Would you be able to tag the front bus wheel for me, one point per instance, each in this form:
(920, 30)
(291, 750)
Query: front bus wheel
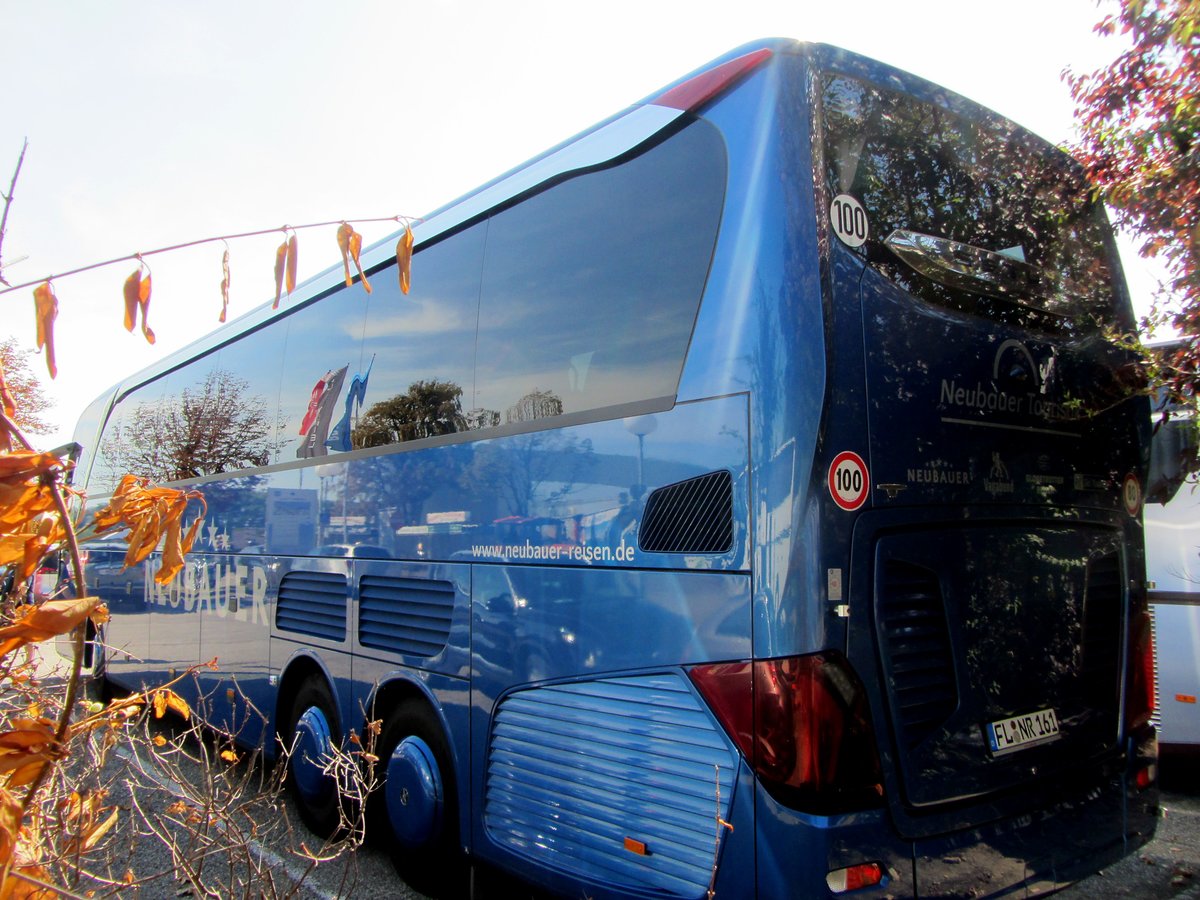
(309, 737)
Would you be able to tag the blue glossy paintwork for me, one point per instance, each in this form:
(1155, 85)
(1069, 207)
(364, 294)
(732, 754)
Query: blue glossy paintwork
(761, 330)
(414, 793)
(314, 745)
(617, 780)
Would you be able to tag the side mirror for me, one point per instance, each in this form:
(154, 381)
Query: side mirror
(1172, 458)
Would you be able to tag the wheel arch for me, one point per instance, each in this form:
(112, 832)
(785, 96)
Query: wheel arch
(302, 666)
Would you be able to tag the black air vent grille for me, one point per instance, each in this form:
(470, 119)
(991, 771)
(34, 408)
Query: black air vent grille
(916, 644)
(312, 603)
(693, 516)
(404, 615)
(1102, 630)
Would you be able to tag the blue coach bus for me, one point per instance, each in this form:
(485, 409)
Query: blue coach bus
(745, 499)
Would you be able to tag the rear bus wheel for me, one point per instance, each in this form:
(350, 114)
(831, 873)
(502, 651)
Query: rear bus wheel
(413, 812)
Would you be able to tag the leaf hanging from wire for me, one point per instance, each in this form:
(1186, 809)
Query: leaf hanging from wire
(224, 284)
(280, 263)
(292, 256)
(137, 300)
(404, 252)
(46, 308)
(350, 243)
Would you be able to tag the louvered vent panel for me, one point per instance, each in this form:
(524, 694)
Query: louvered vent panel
(693, 516)
(312, 603)
(575, 769)
(1102, 630)
(1156, 716)
(404, 615)
(916, 644)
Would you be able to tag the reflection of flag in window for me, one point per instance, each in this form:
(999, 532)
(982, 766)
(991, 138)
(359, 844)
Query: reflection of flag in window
(339, 438)
(315, 425)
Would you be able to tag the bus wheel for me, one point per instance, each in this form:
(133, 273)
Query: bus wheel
(414, 812)
(311, 725)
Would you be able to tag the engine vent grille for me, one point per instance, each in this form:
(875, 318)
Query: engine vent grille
(916, 646)
(693, 516)
(404, 615)
(576, 770)
(312, 603)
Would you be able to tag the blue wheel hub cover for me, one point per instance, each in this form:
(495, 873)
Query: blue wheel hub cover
(414, 793)
(313, 748)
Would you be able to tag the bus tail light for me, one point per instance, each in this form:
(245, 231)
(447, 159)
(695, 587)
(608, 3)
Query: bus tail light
(701, 88)
(803, 724)
(1139, 699)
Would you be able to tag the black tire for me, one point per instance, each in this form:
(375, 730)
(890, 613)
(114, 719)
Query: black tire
(322, 816)
(439, 868)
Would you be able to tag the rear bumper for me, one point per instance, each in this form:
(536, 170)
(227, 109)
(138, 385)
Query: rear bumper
(1015, 855)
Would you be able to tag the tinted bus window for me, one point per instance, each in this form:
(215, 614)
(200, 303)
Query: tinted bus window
(917, 168)
(419, 350)
(590, 288)
(322, 354)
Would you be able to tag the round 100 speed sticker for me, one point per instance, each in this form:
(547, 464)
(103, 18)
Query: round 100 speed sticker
(849, 482)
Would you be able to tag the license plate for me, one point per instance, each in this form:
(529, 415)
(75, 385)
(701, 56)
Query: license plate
(1019, 732)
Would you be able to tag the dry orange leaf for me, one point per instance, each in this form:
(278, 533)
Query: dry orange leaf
(150, 513)
(350, 243)
(224, 284)
(46, 308)
(166, 699)
(137, 300)
(50, 619)
(22, 503)
(26, 464)
(343, 240)
(280, 264)
(292, 257)
(404, 254)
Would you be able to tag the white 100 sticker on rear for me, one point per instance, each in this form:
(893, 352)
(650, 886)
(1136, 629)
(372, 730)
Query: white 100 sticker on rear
(849, 482)
(849, 220)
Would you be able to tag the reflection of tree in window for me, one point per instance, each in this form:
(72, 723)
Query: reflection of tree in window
(532, 474)
(209, 428)
(920, 167)
(427, 409)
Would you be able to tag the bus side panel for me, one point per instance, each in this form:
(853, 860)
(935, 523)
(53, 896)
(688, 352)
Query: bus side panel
(762, 327)
(1177, 671)
(235, 628)
(586, 730)
(127, 635)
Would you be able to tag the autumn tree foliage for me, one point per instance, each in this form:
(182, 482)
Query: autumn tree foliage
(1139, 140)
(31, 403)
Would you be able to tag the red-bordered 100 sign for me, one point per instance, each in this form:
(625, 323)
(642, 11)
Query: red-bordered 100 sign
(849, 482)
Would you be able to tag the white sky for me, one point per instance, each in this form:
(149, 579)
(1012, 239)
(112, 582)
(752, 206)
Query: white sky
(152, 124)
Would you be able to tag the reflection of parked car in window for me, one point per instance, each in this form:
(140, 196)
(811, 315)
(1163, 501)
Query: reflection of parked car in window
(104, 569)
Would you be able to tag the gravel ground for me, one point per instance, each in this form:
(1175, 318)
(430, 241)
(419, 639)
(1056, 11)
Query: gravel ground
(1169, 866)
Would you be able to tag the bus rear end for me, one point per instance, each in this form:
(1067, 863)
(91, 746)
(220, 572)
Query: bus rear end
(953, 678)
(994, 586)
